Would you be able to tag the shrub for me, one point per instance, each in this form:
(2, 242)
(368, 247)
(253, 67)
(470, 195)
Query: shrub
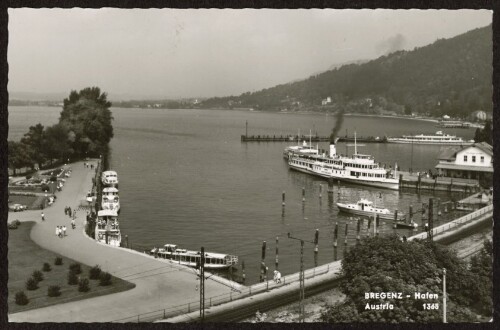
(37, 275)
(16, 222)
(45, 187)
(75, 268)
(58, 261)
(31, 284)
(105, 279)
(95, 272)
(28, 177)
(54, 291)
(72, 278)
(21, 298)
(46, 267)
(12, 226)
(83, 285)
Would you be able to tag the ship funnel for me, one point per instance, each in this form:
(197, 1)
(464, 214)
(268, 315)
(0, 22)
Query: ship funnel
(333, 148)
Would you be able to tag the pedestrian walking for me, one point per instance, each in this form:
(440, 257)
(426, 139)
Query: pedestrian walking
(69, 211)
(43, 217)
(73, 225)
(59, 231)
(74, 214)
(64, 230)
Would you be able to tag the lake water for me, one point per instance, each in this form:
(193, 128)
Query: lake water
(186, 178)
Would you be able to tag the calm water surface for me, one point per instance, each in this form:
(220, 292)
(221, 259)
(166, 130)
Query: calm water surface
(186, 178)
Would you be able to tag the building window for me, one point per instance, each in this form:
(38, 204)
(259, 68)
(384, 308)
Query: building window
(482, 159)
(465, 158)
(473, 159)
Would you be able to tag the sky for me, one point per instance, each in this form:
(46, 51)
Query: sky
(176, 53)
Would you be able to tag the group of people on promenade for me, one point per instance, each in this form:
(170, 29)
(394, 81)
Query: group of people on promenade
(67, 211)
(88, 165)
(61, 231)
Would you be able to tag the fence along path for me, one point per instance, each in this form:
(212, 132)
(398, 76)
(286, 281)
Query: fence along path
(333, 269)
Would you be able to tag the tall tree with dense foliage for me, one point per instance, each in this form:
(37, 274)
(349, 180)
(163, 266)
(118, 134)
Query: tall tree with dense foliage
(19, 156)
(386, 264)
(485, 134)
(35, 141)
(481, 266)
(87, 117)
(57, 142)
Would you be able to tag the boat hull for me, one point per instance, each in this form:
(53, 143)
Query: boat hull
(463, 143)
(383, 216)
(393, 185)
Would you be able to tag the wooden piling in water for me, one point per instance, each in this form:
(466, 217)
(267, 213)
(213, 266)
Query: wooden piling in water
(345, 234)
(316, 248)
(377, 223)
(263, 263)
(276, 261)
(330, 185)
(283, 198)
(335, 235)
(320, 191)
(303, 194)
(358, 229)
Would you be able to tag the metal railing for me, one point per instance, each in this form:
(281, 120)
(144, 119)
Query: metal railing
(270, 284)
(455, 223)
(224, 298)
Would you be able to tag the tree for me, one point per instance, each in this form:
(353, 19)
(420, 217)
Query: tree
(57, 142)
(485, 134)
(481, 266)
(19, 156)
(87, 117)
(35, 140)
(386, 264)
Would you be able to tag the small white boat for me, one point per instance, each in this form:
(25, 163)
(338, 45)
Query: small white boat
(107, 229)
(110, 199)
(192, 258)
(365, 208)
(109, 178)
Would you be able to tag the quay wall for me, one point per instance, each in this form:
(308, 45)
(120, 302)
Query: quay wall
(271, 295)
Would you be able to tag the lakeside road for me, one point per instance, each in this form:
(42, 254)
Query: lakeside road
(159, 284)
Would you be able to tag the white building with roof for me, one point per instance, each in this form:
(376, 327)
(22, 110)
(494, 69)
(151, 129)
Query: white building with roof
(471, 162)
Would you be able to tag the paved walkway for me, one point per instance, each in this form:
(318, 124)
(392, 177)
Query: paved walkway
(159, 284)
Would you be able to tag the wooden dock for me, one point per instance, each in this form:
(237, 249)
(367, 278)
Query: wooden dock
(307, 138)
(420, 182)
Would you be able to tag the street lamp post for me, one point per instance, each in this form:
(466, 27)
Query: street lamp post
(444, 295)
(301, 277)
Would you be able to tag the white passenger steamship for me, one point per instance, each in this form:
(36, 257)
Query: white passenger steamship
(359, 168)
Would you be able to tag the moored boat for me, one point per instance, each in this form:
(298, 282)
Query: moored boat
(192, 258)
(109, 178)
(107, 229)
(436, 139)
(110, 199)
(358, 169)
(366, 208)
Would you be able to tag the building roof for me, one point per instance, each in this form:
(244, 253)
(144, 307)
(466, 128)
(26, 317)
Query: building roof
(484, 147)
(451, 153)
(465, 167)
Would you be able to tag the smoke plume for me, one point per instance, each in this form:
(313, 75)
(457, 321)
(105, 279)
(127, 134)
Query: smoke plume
(391, 44)
(339, 119)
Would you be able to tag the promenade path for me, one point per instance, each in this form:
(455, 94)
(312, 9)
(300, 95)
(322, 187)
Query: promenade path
(159, 283)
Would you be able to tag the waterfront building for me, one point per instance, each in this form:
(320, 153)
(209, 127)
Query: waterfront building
(471, 162)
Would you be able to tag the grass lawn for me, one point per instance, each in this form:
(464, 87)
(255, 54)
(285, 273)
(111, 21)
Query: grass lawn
(25, 256)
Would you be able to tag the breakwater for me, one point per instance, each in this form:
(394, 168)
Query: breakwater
(313, 138)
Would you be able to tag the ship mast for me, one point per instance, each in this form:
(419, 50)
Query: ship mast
(355, 147)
